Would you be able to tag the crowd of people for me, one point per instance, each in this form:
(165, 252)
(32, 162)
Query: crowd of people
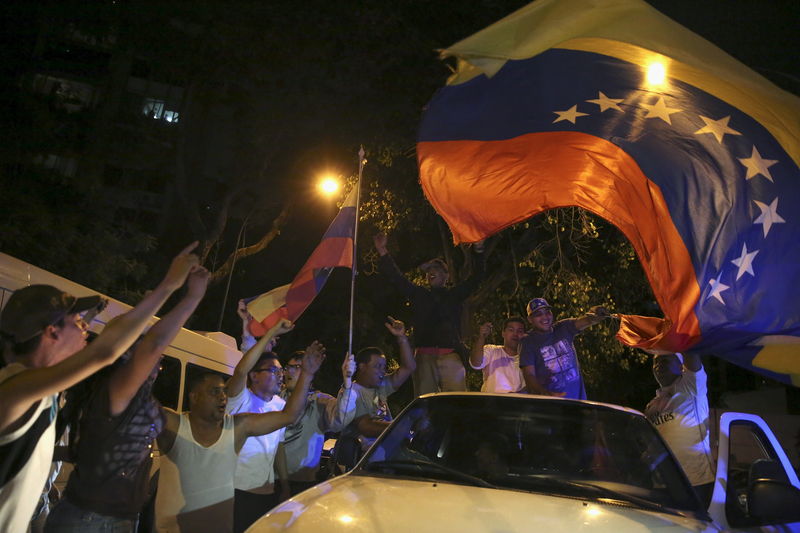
(254, 439)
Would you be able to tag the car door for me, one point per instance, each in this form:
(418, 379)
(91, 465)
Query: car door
(756, 487)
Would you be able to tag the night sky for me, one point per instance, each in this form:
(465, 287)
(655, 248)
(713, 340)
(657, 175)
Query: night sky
(287, 90)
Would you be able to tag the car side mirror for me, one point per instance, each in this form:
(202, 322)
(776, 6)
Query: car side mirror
(771, 501)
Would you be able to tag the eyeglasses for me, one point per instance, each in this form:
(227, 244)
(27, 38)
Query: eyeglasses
(293, 367)
(274, 370)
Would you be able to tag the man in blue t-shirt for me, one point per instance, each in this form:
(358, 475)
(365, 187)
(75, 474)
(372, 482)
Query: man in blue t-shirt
(547, 357)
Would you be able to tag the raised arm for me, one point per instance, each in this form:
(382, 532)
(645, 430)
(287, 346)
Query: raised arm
(596, 314)
(126, 380)
(388, 267)
(476, 353)
(407, 363)
(238, 380)
(692, 362)
(468, 286)
(250, 424)
(338, 412)
(247, 338)
(20, 392)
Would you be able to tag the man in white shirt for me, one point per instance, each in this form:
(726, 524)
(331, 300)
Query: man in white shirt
(254, 388)
(500, 364)
(680, 413)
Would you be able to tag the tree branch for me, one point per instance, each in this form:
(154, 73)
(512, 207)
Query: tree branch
(237, 254)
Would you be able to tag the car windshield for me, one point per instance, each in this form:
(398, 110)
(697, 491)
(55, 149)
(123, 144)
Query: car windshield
(567, 448)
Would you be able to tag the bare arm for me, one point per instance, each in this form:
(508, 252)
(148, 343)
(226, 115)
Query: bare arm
(533, 385)
(235, 385)
(20, 392)
(171, 425)
(251, 425)
(407, 363)
(596, 314)
(476, 353)
(282, 473)
(126, 381)
(370, 427)
(338, 412)
(692, 362)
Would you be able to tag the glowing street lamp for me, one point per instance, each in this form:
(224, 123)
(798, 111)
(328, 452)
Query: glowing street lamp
(328, 186)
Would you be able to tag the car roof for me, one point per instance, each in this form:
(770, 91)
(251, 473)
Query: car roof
(535, 398)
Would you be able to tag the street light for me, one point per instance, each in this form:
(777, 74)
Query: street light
(328, 185)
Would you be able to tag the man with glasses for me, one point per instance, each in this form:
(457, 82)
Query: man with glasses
(323, 413)
(254, 388)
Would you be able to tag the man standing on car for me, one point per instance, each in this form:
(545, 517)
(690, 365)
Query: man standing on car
(680, 413)
(323, 413)
(548, 360)
(500, 363)
(436, 319)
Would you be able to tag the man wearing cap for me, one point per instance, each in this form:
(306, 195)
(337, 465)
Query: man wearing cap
(44, 338)
(436, 318)
(547, 357)
(680, 413)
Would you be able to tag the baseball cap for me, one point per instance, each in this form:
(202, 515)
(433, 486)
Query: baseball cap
(31, 309)
(434, 263)
(536, 304)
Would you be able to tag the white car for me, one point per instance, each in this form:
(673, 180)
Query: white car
(519, 463)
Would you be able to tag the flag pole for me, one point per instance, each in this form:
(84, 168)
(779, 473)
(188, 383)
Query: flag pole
(361, 163)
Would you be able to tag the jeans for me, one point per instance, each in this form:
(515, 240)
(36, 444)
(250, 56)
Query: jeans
(68, 518)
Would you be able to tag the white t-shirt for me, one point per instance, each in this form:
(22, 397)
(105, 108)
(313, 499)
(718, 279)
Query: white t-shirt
(501, 372)
(680, 413)
(30, 448)
(255, 467)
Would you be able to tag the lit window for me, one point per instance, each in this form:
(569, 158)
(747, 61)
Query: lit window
(171, 116)
(153, 108)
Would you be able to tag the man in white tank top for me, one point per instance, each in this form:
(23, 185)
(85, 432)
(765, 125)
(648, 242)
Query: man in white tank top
(199, 451)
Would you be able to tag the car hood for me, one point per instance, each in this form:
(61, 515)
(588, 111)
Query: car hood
(372, 504)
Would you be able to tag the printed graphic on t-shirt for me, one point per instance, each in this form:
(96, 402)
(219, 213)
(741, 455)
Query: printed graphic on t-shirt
(560, 361)
(382, 408)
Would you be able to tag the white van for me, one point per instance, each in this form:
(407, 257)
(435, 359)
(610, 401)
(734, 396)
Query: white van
(189, 352)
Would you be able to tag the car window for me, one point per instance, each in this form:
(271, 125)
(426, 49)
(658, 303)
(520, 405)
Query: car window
(567, 448)
(747, 444)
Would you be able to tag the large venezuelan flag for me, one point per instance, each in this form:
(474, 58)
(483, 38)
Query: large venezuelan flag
(289, 301)
(613, 107)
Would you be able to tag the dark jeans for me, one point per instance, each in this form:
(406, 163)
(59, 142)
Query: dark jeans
(249, 507)
(68, 518)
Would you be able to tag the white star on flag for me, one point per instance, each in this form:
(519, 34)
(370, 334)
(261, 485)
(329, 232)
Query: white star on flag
(570, 114)
(660, 110)
(756, 165)
(745, 262)
(717, 127)
(607, 103)
(769, 215)
(716, 288)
